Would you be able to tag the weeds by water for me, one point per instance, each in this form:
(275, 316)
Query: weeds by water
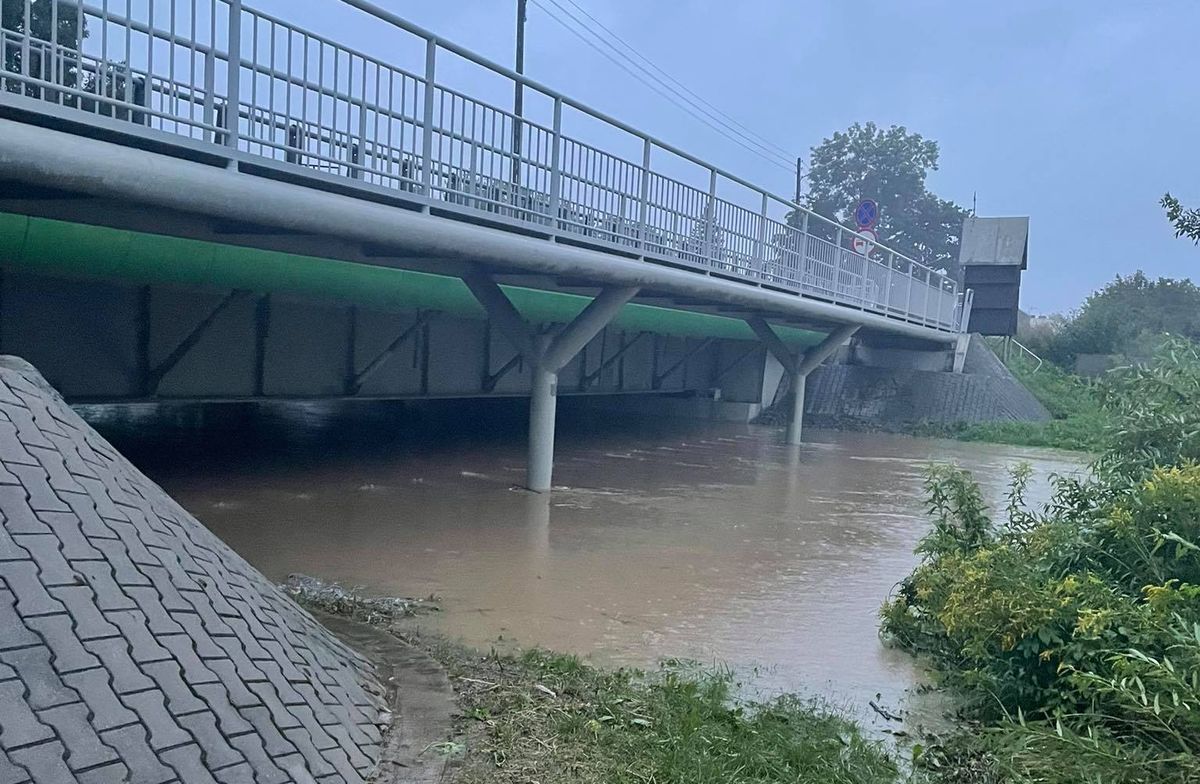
(1076, 628)
(337, 600)
(549, 718)
(1078, 421)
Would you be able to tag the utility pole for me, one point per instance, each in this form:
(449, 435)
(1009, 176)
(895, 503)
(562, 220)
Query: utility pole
(799, 178)
(519, 92)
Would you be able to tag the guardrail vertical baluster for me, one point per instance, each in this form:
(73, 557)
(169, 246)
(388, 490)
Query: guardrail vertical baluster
(210, 86)
(710, 215)
(644, 195)
(233, 106)
(427, 123)
(27, 25)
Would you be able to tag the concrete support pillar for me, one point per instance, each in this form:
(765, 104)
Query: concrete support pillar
(799, 365)
(796, 424)
(543, 403)
(547, 355)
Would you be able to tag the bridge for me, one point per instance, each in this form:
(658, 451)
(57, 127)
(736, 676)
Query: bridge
(201, 200)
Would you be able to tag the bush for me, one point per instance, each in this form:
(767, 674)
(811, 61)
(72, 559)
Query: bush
(1075, 630)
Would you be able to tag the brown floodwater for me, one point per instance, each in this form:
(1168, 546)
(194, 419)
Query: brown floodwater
(663, 539)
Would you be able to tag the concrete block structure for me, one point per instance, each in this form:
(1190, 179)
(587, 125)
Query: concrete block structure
(135, 646)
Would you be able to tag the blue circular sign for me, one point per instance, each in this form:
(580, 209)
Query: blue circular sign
(867, 213)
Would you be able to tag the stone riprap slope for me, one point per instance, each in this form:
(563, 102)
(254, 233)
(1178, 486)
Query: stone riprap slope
(135, 645)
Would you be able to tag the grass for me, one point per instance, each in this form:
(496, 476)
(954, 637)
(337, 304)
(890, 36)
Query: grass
(537, 716)
(550, 718)
(1077, 420)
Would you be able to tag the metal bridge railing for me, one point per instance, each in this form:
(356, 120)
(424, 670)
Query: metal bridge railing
(221, 73)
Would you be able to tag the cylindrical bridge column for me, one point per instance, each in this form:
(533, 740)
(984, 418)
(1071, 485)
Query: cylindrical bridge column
(542, 405)
(796, 425)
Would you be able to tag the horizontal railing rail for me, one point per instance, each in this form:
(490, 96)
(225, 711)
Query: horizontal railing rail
(222, 73)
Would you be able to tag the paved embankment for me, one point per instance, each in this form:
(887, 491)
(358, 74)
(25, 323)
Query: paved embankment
(135, 645)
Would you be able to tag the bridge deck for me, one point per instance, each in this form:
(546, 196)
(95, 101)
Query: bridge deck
(325, 113)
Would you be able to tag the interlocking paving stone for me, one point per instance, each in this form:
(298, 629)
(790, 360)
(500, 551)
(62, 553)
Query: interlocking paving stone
(90, 623)
(18, 724)
(32, 598)
(133, 746)
(45, 761)
(126, 676)
(10, 772)
(135, 646)
(13, 632)
(189, 763)
(45, 687)
(96, 690)
(84, 747)
(58, 631)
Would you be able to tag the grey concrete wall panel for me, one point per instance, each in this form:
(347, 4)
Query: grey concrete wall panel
(456, 355)
(222, 363)
(401, 374)
(747, 373)
(306, 348)
(80, 331)
(135, 646)
(209, 343)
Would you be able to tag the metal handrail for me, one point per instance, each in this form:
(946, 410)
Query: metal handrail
(440, 137)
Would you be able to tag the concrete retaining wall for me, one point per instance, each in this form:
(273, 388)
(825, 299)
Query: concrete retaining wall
(135, 646)
(891, 398)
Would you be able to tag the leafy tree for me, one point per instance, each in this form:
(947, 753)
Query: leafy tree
(1128, 316)
(1186, 222)
(888, 165)
(40, 22)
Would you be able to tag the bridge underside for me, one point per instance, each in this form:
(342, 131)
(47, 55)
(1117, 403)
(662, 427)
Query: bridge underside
(117, 315)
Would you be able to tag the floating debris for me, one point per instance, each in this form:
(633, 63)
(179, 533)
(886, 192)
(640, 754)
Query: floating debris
(333, 598)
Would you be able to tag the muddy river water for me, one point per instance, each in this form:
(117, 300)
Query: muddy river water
(689, 540)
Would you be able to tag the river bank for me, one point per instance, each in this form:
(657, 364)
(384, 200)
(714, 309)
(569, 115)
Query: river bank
(510, 718)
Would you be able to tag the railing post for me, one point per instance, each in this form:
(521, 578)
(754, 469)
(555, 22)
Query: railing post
(555, 165)
(804, 244)
(925, 303)
(427, 123)
(887, 297)
(710, 213)
(360, 157)
(644, 195)
(838, 261)
(210, 86)
(233, 111)
(761, 252)
(908, 295)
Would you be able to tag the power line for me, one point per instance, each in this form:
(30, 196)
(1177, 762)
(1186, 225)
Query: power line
(670, 93)
(665, 92)
(767, 143)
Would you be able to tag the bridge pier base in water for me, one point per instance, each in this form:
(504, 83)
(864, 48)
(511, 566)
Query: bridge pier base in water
(547, 353)
(799, 365)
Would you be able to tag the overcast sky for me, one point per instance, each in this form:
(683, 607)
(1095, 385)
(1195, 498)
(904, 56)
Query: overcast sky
(1078, 114)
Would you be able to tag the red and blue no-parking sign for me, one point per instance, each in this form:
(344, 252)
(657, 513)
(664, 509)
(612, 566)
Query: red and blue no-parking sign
(866, 214)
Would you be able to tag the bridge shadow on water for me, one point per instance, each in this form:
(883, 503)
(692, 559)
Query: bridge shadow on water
(170, 437)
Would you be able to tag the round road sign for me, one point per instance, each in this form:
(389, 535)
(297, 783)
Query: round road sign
(864, 242)
(866, 214)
